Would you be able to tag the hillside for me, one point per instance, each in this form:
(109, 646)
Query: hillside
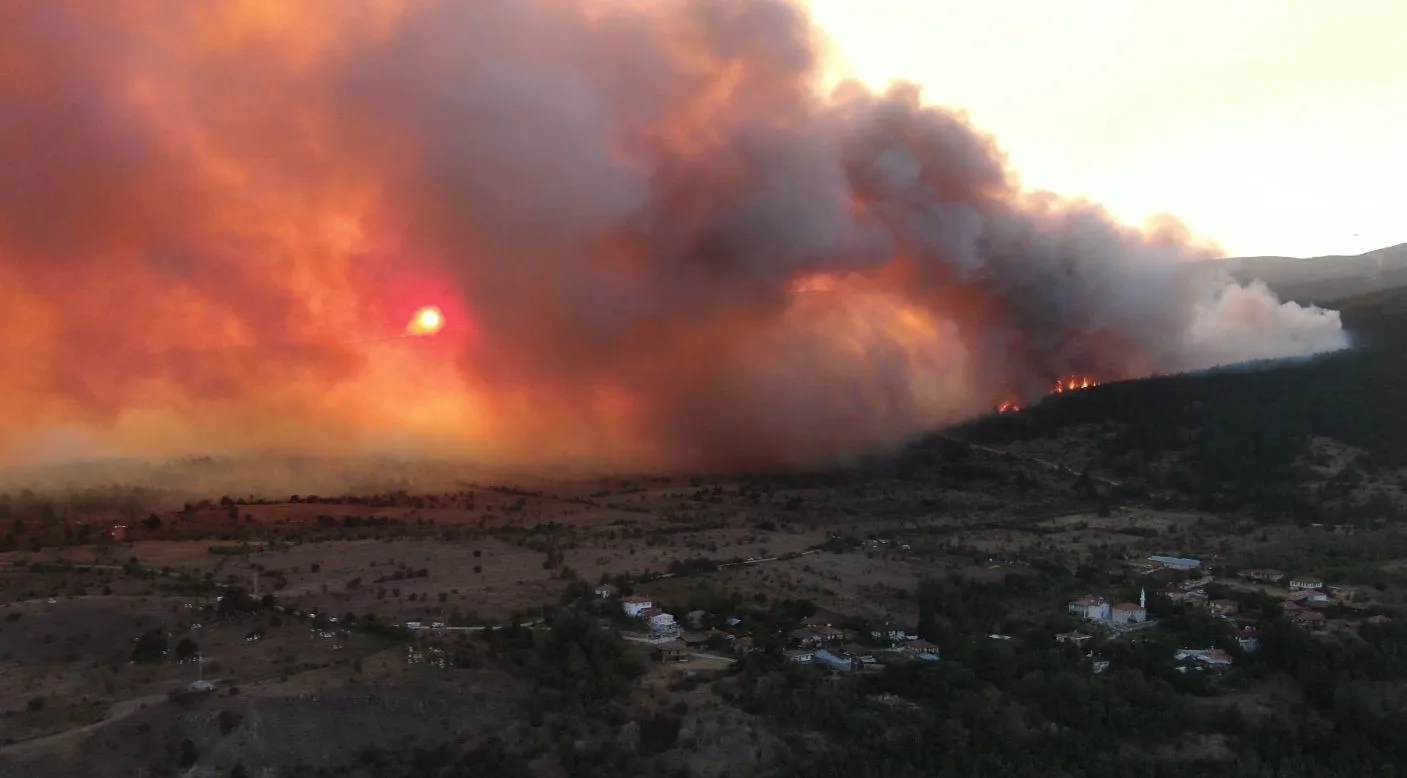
(1323, 439)
(1323, 280)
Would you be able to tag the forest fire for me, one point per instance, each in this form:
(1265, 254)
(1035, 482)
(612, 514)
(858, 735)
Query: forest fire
(1072, 383)
(730, 269)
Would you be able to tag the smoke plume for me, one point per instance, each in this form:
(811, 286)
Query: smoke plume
(654, 239)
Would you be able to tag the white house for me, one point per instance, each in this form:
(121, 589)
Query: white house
(891, 632)
(663, 626)
(606, 591)
(1091, 608)
(636, 604)
(1305, 582)
(1126, 613)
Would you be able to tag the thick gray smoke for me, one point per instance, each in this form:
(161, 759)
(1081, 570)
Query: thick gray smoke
(656, 241)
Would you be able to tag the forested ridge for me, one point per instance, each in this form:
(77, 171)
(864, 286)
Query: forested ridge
(1238, 439)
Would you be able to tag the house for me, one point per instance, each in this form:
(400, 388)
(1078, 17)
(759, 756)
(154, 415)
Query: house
(1195, 583)
(1078, 638)
(1223, 607)
(635, 605)
(919, 646)
(663, 626)
(1344, 593)
(860, 654)
(1126, 613)
(1210, 657)
(827, 633)
(1097, 664)
(889, 631)
(1248, 639)
(1305, 582)
(606, 591)
(671, 651)
(801, 657)
(1090, 608)
(1310, 619)
(1177, 563)
(1316, 597)
(805, 638)
(1263, 576)
(1174, 593)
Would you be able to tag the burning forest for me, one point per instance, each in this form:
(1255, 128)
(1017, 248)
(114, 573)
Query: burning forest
(598, 231)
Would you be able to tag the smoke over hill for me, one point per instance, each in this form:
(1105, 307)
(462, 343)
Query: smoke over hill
(654, 241)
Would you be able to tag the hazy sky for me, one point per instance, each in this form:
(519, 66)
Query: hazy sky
(1271, 126)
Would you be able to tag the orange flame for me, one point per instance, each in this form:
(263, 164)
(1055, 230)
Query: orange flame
(1073, 384)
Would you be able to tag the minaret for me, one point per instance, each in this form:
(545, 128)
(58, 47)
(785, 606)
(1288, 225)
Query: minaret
(1143, 598)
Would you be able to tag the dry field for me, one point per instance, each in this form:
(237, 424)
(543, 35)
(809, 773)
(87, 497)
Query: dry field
(486, 554)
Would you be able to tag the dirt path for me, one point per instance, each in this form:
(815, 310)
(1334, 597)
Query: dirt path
(118, 711)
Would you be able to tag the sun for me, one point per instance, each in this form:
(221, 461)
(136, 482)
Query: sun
(427, 321)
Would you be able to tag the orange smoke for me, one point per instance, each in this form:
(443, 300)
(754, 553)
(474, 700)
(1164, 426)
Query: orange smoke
(651, 241)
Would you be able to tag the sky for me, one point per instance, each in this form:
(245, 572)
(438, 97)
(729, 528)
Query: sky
(1274, 127)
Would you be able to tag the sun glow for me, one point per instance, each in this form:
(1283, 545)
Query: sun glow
(427, 321)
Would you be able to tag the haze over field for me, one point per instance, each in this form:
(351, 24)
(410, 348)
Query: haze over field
(653, 241)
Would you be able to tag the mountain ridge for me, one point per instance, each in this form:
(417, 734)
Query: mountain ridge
(1322, 280)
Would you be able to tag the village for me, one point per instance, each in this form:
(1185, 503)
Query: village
(703, 608)
(832, 643)
(1303, 600)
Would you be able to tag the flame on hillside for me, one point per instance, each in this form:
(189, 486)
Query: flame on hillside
(1072, 383)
